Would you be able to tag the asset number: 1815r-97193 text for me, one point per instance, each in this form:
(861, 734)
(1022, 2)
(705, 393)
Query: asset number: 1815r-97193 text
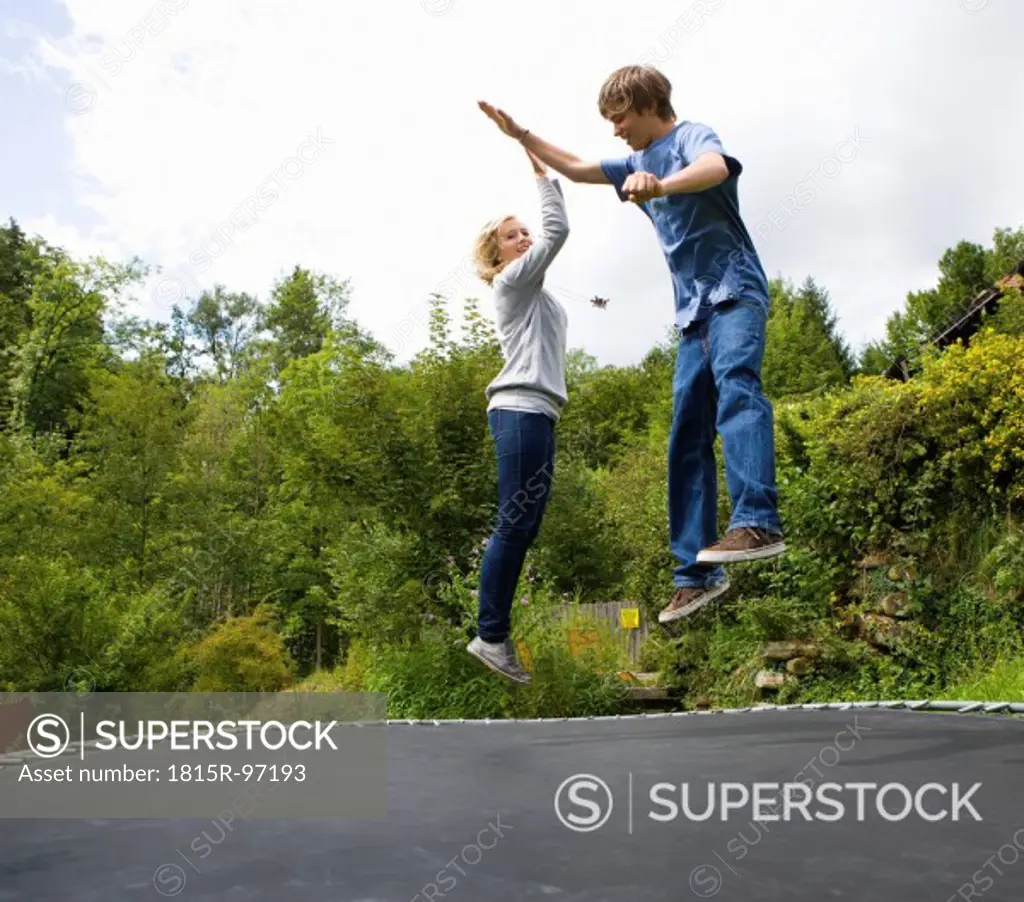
(226, 773)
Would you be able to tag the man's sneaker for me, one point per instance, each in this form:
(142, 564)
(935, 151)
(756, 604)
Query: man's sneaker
(688, 600)
(500, 657)
(743, 544)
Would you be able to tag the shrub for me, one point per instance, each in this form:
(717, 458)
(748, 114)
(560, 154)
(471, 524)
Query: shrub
(378, 592)
(55, 619)
(637, 505)
(942, 451)
(578, 547)
(432, 676)
(243, 654)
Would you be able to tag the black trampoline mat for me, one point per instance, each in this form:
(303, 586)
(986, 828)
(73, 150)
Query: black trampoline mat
(472, 816)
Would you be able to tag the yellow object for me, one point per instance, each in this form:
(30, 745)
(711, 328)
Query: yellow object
(630, 618)
(582, 638)
(525, 657)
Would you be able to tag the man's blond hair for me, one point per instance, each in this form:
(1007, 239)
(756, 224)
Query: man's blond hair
(638, 88)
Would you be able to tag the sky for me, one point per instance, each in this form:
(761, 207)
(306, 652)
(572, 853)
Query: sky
(225, 142)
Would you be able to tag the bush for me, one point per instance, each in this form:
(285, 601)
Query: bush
(637, 504)
(942, 451)
(55, 621)
(432, 676)
(435, 678)
(1009, 317)
(578, 547)
(1002, 570)
(378, 592)
(243, 654)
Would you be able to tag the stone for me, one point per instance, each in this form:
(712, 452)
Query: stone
(900, 574)
(894, 604)
(790, 648)
(642, 678)
(881, 631)
(798, 666)
(646, 693)
(769, 679)
(875, 560)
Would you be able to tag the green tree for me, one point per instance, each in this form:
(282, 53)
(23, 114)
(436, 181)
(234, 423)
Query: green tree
(16, 276)
(578, 365)
(874, 359)
(128, 438)
(304, 307)
(66, 341)
(605, 408)
(1008, 318)
(224, 323)
(804, 352)
(965, 270)
(1007, 254)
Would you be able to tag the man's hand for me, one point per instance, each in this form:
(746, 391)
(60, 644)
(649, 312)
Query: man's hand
(641, 186)
(503, 120)
(569, 165)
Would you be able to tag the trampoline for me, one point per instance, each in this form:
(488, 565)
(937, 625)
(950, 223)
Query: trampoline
(496, 811)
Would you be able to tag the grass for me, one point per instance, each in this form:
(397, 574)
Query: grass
(1003, 683)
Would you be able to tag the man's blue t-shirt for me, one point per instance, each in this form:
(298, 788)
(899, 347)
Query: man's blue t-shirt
(709, 251)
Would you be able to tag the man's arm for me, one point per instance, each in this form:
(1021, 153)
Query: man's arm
(708, 170)
(569, 165)
(708, 165)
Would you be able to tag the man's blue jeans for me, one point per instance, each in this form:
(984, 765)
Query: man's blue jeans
(525, 447)
(717, 386)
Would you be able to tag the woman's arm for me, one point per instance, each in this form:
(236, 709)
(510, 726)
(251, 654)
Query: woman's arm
(554, 230)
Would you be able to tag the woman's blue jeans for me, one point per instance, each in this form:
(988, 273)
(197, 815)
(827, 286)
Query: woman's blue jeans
(525, 447)
(717, 387)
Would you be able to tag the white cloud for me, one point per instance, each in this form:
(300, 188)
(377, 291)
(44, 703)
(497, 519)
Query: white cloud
(72, 239)
(187, 123)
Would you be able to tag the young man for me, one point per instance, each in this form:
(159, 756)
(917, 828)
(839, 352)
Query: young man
(682, 179)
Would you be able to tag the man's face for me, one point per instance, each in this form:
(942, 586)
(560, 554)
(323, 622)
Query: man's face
(634, 128)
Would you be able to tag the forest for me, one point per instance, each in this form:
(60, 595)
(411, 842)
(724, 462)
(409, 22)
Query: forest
(256, 496)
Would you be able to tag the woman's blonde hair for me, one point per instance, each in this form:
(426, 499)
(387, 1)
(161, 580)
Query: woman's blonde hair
(486, 253)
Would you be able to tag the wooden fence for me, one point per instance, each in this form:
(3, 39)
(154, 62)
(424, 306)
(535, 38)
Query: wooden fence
(623, 618)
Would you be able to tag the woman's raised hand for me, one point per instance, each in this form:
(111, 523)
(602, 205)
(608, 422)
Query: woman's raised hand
(539, 168)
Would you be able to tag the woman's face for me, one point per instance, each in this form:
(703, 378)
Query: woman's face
(514, 240)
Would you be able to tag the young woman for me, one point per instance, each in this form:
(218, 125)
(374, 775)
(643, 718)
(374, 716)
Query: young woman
(525, 402)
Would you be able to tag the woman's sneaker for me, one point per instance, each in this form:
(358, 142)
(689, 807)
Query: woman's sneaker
(690, 599)
(500, 657)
